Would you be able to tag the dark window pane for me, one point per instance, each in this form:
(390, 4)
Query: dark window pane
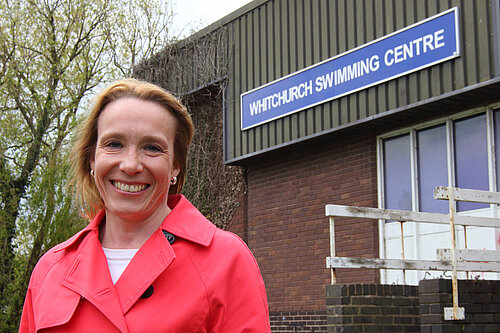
(497, 145)
(432, 168)
(471, 157)
(397, 174)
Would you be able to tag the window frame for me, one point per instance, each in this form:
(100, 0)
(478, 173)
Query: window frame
(412, 131)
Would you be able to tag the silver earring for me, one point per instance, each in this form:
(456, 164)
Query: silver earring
(92, 172)
(173, 181)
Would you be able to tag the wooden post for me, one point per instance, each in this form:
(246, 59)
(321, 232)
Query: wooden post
(452, 206)
(403, 249)
(332, 246)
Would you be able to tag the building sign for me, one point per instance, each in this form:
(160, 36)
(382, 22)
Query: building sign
(420, 45)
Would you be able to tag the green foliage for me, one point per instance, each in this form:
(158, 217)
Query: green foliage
(47, 217)
(53, 53)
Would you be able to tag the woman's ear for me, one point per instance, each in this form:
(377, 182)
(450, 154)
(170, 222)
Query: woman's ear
(92, 161)
(176, 169)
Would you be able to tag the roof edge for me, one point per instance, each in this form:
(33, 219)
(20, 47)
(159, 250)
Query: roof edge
(223, 21)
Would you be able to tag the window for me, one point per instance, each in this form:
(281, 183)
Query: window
(458, 151)
(471, 157)
(397, 186)
(432, 167)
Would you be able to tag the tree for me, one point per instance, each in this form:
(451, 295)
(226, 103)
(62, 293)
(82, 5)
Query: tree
(53, 53)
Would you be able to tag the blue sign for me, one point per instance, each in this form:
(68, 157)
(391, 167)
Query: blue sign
(420, 45)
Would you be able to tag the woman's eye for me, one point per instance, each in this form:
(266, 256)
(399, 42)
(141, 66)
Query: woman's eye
(153, 148)
(114, 144)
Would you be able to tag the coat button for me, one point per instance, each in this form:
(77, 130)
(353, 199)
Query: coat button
(169, 236)
(148, 292)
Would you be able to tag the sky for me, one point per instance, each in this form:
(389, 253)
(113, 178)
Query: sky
(194, 15)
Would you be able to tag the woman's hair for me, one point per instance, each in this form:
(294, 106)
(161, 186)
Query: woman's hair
(81, 181)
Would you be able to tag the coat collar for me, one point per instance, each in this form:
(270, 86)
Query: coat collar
(187, 222)
(89, 277)
(184, 221)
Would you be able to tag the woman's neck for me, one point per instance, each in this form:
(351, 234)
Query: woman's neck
(117, 232)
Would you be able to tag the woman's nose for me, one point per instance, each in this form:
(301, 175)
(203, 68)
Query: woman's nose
(131, 163)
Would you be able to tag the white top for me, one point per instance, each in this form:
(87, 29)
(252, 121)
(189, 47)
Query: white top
(118, 260)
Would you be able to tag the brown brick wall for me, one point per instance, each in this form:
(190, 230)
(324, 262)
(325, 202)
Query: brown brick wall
(287, 228)
(239, 219)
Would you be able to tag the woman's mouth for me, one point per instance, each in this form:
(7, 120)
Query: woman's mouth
(129, 188)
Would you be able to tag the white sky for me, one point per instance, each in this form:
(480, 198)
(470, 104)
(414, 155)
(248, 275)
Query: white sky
(193, 15)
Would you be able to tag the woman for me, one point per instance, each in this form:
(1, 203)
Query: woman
(148, 261)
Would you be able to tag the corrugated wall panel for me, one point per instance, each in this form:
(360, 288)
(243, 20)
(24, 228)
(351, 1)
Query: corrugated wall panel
(270, 138)
(280, 37)
(232, 136)
(321, 52)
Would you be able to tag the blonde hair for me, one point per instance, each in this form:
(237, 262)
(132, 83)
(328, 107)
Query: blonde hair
(81, 181)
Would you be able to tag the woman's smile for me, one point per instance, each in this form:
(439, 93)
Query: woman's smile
(131, 188)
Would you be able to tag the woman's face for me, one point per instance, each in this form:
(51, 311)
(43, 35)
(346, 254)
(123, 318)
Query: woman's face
(134, 158)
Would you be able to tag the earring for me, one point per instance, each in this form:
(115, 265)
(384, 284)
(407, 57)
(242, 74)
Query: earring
(173, 181)
(92, 172)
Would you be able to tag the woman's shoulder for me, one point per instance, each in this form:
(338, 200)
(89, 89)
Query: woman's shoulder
(230, 248)
(52, 257)
(230, 271)
(224, 238)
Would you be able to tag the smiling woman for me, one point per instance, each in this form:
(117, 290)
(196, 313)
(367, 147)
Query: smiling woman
(134, 151)
(139, 93)
(148, 254)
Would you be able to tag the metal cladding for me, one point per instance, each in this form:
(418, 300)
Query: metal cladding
(273, 39)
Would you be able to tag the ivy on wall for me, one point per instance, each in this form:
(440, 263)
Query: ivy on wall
(195, 69)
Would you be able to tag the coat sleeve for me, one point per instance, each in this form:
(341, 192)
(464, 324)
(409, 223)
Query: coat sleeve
(27, 319)
(238, 301)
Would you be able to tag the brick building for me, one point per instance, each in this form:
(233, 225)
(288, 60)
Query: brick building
(361, 103)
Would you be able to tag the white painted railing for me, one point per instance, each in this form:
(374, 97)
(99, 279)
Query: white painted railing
(452, 259)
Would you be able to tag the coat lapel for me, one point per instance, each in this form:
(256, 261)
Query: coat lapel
(89, 276)
(156, 255)
(89, 273)
(148, 263)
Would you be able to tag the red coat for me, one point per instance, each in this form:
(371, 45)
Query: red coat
(206, 281)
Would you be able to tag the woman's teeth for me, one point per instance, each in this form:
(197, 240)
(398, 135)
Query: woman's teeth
(129, 188)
